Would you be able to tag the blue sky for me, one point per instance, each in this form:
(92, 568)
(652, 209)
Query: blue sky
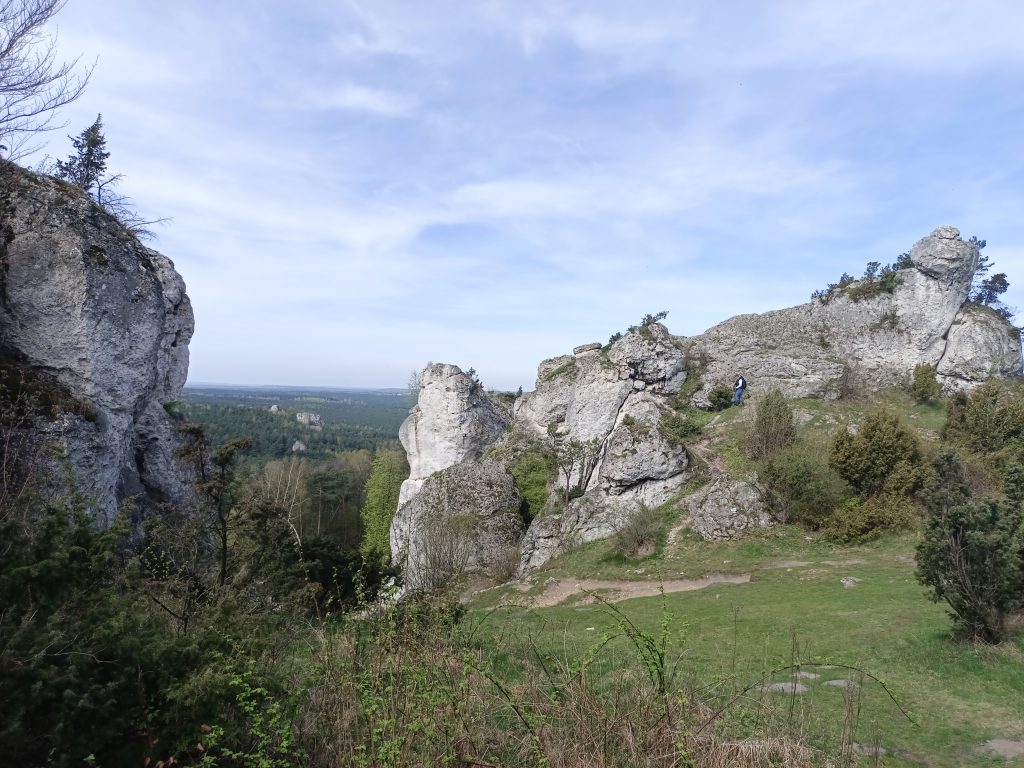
(358, 188)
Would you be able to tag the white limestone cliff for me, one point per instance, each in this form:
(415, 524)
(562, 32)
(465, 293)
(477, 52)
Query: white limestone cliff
(85, 305)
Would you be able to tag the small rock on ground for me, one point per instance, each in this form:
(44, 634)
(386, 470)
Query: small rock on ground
(841, 683)
(784, 688)
(806, 675)
(849, 581)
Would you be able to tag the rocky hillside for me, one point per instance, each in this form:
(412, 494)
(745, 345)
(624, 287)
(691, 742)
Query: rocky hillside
(611, 412)
(94, 333)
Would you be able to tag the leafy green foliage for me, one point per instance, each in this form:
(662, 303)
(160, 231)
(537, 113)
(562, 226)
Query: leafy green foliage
(877, 279)
(534, 470)
(970, 557)
(989, 420)
(773, 426)
(924, 387)
(720, 397)
(859, 520)
(866, 460)
(638, 536)
(677, 428)
(390, 470)
(801, 487)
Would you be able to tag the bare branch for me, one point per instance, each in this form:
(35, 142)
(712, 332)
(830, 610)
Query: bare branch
(33, 84)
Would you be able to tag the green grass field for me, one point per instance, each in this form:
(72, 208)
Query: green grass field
(728, 637)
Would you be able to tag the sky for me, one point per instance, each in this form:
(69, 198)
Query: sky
(357, 188)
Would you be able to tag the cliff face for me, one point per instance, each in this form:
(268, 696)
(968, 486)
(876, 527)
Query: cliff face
(615, 399)
(85, 305)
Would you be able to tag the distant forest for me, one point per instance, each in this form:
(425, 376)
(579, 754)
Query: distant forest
(350, 420)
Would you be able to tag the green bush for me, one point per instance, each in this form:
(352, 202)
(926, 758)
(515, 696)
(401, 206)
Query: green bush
(866, 460)
(720, 396)
(639, 535)
(987, 421)
(970, 557)
(676, 428)
(800, 487)
(773, 426)
(860, 520)
(534, 471)
(924, 387)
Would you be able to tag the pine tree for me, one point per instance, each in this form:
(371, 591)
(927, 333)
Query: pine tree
(87, 167)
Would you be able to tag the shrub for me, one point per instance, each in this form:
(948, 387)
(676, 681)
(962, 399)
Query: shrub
(675, 428)
(800, 486)
(638, 536)
(970, 557)
(504, 564)
(991, 419)
(858, 520)
(720, 396)
(866, 460)
(534, 470)
(773, 427)
(923, 386)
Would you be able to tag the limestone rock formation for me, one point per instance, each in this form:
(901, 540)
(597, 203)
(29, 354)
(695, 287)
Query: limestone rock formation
(617, 402)
(610, 398)
(817, 349)
(453, 421)
(86, 307)
(464, 517)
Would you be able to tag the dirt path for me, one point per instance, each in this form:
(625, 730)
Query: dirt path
(615, 590)
(557, 591)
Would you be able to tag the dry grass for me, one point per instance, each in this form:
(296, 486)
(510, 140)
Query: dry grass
(413, 685)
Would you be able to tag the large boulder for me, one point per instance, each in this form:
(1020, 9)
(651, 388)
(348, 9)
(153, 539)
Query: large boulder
(89, 309)
(725, 508)
(464, 517)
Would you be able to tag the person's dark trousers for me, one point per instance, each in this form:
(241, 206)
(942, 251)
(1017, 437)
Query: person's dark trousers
(738, 399)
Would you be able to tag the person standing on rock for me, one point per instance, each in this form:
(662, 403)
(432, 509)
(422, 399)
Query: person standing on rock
(738, 388)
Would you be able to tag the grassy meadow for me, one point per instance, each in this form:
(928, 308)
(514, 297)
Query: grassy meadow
(922, 696)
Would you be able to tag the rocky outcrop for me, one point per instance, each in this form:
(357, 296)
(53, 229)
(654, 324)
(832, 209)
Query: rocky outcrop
(611, 399)
(86, 307)
(453, 421)
(872, 339)
(724, 508)
(616, 403)
(465, 517)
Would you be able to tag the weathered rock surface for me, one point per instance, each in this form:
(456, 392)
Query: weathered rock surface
(584, 519)
(724, 508)
(84, 304)
(615, 399)
(464, 517)
(452, 421)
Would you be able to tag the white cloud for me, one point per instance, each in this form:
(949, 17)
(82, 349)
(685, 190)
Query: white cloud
(358, 98)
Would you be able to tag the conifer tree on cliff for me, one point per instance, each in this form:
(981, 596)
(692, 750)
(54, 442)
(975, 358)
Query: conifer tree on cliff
(87, 167)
